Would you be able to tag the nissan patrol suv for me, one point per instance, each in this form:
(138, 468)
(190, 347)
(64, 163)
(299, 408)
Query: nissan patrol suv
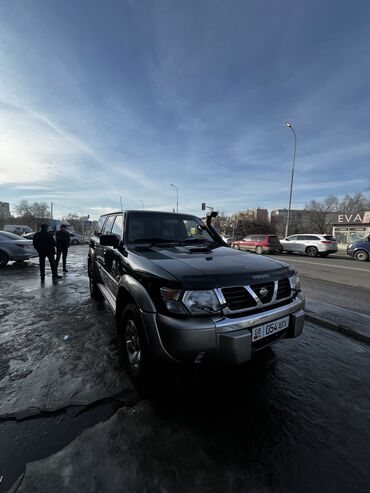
(180, 293)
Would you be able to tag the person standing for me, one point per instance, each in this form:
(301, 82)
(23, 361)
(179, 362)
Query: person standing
(44, 243)
(63, 240)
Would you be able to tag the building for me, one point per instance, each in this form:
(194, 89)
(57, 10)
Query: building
(254, 214)
(4, 210)
(349, 227)
(300, 217)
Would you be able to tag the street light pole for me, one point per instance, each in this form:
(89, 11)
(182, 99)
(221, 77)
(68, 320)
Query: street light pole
(177, 197)
(291, 181)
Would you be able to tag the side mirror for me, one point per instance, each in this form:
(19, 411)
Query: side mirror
(286, 239)
(109, 240)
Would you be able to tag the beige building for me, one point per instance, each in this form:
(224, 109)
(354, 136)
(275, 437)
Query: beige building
(4, 210)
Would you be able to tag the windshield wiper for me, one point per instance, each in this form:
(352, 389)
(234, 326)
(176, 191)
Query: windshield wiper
(154, 241)
(196, 240)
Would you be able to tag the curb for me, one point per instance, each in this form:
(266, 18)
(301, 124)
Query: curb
(329, 324)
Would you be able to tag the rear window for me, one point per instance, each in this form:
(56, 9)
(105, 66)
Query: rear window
(273, 239)
(9, 236)
(330, 238)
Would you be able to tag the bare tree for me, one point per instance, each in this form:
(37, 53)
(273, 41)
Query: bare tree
(320, 210)
(31, 214)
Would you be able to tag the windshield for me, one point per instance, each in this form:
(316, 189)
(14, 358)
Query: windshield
(171, 228)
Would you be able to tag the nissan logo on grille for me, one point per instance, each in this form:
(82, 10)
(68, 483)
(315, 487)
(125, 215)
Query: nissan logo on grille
(263, 292)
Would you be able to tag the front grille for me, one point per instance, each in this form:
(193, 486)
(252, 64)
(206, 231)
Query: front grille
(238, 298)
(284, 289)
(264, 291)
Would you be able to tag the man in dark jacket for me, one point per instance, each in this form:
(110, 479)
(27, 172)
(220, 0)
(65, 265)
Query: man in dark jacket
(44, 243)
(63, 239)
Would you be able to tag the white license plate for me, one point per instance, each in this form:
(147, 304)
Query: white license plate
(270, 328)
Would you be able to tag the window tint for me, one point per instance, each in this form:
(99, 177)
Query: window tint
(247, 238)
(144, 227)
(292, 238)
(117, 227)
(262, 238)
(108, 225)
(100, 225)
(254, 238)
(308, 238)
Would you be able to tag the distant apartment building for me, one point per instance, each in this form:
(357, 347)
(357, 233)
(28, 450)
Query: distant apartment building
(4, 210)
(301, 217)
(254, 214)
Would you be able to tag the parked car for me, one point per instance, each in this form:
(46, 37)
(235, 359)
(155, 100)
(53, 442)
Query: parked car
(180, 294)
(76, 239)
(259, 244)
(12, 247)
(360, 250)
(312, 245)
(17, 229)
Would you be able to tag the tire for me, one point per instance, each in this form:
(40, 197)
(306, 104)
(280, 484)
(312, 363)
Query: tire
(75, 242)
(259, 250)
(237, 247)
(95, 292)
(361, 255)
(312, 251)
(134, 345)
(4, 259)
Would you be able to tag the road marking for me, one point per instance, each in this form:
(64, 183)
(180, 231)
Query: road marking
(331, 265)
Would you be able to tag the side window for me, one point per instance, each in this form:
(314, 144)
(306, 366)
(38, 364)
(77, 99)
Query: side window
(303, 238)
(247, 238)
(262, 238)
(108, 225)
(117, 227)
(254, 238)
(100, 225)
(293, 238)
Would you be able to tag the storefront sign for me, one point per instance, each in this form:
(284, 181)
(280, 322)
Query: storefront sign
(351, 218)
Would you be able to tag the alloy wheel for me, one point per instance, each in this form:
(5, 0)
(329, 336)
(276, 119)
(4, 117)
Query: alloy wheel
(311, 251)
(133, 346)
(361, 255)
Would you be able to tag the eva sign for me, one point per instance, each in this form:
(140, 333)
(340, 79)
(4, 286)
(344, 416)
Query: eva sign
(354, 218)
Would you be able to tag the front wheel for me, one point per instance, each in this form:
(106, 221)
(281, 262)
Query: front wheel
(4, 259)
(361, 255)
(312, 251)
(134, 345)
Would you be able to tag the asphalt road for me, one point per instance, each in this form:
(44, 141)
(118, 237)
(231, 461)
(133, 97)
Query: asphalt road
(295, 419)
(337, 280)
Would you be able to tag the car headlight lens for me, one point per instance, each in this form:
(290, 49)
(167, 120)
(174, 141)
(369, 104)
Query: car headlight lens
(201, 302)
(193, 302)
(295, 283)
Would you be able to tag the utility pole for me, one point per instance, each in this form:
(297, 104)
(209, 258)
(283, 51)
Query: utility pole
(289, 125)
(51, 210)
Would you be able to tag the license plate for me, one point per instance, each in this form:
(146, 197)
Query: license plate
(270, 328)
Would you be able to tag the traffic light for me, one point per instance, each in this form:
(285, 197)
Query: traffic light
(203, 206)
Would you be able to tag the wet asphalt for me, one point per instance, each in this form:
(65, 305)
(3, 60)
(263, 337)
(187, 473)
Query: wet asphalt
(295, 419)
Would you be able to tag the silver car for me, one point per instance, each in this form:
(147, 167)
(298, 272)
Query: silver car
(13, 247)
(313, 245)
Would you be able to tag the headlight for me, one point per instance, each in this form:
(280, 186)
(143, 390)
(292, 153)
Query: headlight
(201, 302)
(295, 283)
(195, 302)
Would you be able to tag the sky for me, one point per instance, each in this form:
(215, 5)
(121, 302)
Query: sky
(102, 100)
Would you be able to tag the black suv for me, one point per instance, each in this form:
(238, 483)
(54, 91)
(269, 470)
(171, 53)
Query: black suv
(181, 294)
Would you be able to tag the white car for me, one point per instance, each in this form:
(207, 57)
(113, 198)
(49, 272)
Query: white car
(313, 245)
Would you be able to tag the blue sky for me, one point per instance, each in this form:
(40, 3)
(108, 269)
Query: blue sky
(121, 98)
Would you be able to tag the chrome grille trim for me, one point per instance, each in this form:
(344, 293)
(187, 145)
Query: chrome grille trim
(259, 304)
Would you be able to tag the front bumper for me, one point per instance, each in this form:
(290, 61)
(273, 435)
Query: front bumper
(221, 338)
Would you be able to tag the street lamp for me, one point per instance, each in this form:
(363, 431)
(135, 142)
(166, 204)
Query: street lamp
(177, 197)
(291, 181)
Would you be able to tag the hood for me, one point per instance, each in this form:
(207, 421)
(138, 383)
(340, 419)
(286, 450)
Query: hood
(199, 268)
